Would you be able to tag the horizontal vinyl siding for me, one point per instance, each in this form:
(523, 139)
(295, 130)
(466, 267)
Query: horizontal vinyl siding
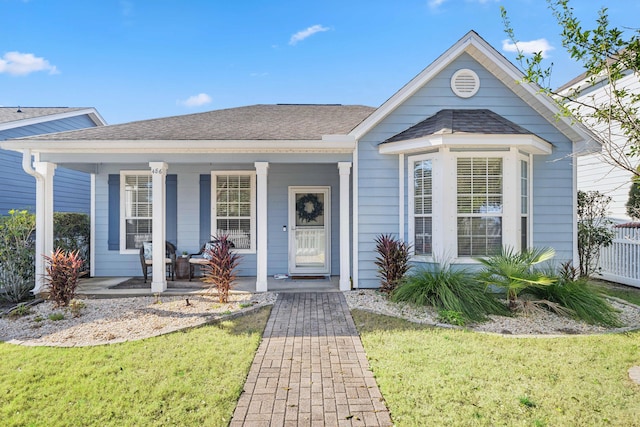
(72, 190)
(378, 174)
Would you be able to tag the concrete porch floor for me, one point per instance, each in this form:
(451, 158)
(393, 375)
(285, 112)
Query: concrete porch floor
(100, 286)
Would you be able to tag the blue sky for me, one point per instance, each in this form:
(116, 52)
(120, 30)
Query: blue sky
(139, 59)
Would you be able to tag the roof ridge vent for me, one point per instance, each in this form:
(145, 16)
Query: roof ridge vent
(465, 83)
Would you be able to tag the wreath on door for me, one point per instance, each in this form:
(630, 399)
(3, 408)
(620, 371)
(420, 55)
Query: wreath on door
(309, 207)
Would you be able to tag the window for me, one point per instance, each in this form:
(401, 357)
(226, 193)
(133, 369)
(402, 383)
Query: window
(234, 208)
(524, 204)
(479, 205)
(423, 207)
(136, 209)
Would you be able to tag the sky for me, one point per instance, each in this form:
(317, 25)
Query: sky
(140, 59)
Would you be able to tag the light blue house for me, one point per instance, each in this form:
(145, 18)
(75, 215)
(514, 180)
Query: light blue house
(460, 161)
(72, 189)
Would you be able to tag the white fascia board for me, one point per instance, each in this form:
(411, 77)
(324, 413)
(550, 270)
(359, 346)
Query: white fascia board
(527, 143)
(91, 112)
(180, 146)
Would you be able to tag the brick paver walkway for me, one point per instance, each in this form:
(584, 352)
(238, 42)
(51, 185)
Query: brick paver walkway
(311, 369)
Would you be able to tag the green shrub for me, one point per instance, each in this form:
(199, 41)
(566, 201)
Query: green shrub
(62, 274)
(583, 301)
(450, 290)
(514, 272)
(452, 317)
(17, 250)
(55, 317)
(392, 261)
(72, 232)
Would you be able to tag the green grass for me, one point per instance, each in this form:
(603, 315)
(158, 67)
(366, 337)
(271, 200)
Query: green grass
(193, 377)
(433, 376)
(626, 293)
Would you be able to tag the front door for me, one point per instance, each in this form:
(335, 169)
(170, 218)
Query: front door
(309, 230)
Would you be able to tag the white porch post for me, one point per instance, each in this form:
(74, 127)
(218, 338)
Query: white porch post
(159, 222)
(44, 219)
(345, 264)
(261, 220)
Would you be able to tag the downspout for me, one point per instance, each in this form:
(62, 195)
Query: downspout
(27, 166)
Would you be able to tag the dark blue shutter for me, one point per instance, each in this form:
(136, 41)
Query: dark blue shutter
(172, 209)
(114, 212)
(205, 208)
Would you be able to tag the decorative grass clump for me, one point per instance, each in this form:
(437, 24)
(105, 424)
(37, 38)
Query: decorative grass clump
(584, 301)
(449, 290)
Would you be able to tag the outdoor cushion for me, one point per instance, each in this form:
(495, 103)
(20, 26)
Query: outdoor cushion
(148, 250)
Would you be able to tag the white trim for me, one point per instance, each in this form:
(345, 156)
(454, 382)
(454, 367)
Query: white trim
(345, 255)
(159, 225)
(528, 143)
(44, 219)
(123, 219)
(355, 274)
(574, 201)
(92, 231)
(252, 218)
(332, 145)
(292, 190)
(91, 112)
(401, 197)
(262, 231)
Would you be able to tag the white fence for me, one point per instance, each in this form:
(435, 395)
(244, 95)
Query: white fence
(620, 262)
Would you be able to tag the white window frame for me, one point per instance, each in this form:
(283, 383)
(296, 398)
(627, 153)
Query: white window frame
(252, 219)
(123, 218)
(435, 202)
(444, 200)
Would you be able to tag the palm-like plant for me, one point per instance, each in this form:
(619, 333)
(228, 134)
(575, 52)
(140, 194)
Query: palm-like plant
(221, 269)
(514, 271)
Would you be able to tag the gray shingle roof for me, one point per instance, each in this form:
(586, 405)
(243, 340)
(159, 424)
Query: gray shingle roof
(11, 114)
(256, 122)
(461, 122)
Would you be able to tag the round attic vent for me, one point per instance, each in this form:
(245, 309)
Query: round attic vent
(465, 83)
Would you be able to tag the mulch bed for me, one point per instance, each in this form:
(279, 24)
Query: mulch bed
(138, 283)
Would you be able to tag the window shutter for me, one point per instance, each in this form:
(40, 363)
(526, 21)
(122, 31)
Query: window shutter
(113, 241)
(205, 208)
(172, 209)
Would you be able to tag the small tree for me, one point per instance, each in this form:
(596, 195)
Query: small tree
(220, 272)
(72, 232)
(594, 229)
(392, 261)
(633, 204)
(17, 251)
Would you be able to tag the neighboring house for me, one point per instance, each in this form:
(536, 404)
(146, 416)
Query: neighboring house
(18, 189)
(597, 170)
(462, 160)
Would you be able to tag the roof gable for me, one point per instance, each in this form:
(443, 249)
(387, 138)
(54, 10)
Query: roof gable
(496, 64)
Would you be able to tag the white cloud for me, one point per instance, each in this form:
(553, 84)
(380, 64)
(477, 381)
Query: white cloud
(301, 35)
(196, 100)
(21, 64)
(530, 47)
(434, 4)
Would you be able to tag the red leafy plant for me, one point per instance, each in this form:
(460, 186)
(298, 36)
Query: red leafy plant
(63, 269)
(392, 261)
(221, 273)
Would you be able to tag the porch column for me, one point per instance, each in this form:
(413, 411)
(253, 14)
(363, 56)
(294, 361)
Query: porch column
(345, 264)
(158, 225)
(44, 220)
(261, 221)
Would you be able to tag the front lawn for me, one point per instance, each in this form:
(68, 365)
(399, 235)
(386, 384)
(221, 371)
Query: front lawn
(192, 377)
(434, 376)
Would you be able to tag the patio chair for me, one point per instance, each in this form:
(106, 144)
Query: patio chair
(146, 261)
(201, 258)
